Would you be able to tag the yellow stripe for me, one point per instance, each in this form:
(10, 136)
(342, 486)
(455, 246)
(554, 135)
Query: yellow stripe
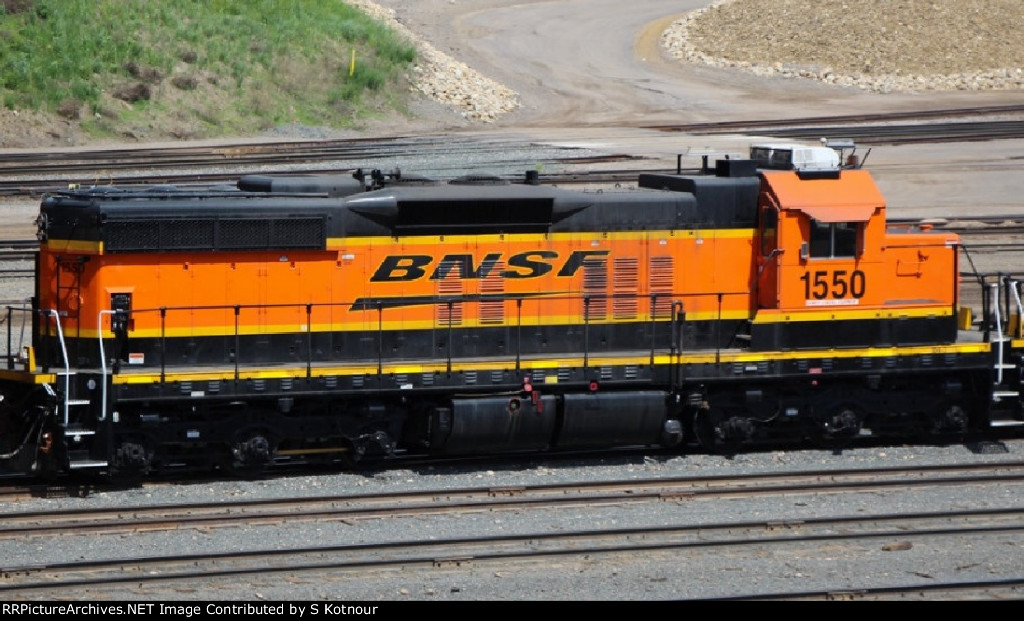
(68, 245)
(130, 377)
(341, 243)
(774, 316)
(27, 377)
(872, 352)
(334, 243)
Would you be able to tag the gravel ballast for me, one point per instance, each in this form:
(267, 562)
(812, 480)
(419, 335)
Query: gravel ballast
(684, 575)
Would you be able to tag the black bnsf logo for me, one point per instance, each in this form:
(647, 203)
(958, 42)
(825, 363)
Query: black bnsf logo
(529, 264)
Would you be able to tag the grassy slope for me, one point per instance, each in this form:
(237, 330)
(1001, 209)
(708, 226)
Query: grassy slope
(199, 68)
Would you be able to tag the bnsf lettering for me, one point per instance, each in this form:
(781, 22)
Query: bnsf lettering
(529, 264)
(401, 268)
(532, 267)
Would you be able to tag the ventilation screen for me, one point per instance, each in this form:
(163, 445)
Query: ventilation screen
(223, 234)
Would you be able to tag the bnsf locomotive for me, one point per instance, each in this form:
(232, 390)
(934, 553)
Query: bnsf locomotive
(756, 300)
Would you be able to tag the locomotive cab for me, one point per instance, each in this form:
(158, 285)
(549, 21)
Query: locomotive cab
(832, 274)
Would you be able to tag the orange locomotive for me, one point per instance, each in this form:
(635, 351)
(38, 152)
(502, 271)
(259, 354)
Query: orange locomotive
(179, 329)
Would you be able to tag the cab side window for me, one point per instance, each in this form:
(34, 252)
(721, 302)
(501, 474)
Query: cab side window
(833, 239)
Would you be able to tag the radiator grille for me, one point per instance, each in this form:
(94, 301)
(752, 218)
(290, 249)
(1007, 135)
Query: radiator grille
(161, 235)
(595, 286)
(661, 279)
(625, 284)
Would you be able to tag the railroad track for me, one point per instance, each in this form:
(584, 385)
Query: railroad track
(35, 176)
(493, 499)
(945, 125)
(683, 543)
(213, 180)
(34, 173)
(536, 551)
(1012, 589)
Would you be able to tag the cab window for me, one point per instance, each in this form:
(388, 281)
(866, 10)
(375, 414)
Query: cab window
(833, 239)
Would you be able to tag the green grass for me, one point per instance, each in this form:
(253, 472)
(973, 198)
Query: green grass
(213, 67)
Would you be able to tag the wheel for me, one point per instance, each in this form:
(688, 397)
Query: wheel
(720, 438)
(249, 454)
(950, 417)
(841, 425)
(132, 459)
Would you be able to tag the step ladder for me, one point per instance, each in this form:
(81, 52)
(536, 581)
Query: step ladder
(1001, 367)
(75, 432)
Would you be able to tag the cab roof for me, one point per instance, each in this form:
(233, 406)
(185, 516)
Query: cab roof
(851, 196)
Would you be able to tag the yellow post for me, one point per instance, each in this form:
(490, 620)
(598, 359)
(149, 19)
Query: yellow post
(352, 64)
(29, 356)
(966, 318)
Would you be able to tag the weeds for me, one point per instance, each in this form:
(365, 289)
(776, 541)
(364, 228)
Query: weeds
(221, 65)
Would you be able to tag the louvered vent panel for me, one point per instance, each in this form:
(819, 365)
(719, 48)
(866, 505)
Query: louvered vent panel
(661, 278)
(492, 308)
(595, 285)
(449, 314)
(625, 288)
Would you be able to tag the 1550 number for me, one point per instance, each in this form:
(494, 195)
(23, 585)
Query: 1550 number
(837, 284)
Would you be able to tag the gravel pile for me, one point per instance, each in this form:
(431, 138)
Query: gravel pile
(446, 80)
(877, 45)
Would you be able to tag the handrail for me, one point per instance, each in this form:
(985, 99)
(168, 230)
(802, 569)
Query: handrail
(24, 311)
(669, 339)
(103, 362)
(10, 337)
(67, 365)
(994, 287)
(1013, 286)
(440, 299)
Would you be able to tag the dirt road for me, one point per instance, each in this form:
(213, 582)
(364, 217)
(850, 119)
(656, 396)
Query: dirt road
(592, 72)
(599, 62)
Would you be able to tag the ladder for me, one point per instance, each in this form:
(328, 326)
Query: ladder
(1001, 391)
(77, 434)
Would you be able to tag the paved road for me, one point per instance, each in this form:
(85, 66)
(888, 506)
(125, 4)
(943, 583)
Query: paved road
(591, 72)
